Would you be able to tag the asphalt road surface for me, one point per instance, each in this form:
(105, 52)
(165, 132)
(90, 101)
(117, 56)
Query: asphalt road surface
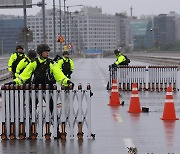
(116, 130)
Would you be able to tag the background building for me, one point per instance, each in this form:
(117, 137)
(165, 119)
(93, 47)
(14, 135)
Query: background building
(10, 28)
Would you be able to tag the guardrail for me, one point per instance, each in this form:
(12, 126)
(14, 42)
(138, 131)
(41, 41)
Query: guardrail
(151, 78)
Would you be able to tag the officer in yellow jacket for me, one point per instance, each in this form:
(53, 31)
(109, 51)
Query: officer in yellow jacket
(42, 68)
(31, 55)
(120, 58)
(14, 59)
(66, 64)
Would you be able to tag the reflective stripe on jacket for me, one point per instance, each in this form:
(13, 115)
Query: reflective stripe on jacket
(120, 59)
(22, 65)
(59, 75)
(61, 61)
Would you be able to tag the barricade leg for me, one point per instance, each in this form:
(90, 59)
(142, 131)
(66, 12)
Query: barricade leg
(80, 132)
(33, 113)
(12, 124)
(47, 134)
(21, 127)
(55, 122)
(3, 135)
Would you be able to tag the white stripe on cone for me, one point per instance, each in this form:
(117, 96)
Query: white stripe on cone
(134, 95)
(169, 101)
(114, 90)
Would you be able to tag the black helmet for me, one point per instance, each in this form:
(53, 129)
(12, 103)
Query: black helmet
(65, 53)
(19, 47)
(42, 47)
(116, 51)
(32, 54)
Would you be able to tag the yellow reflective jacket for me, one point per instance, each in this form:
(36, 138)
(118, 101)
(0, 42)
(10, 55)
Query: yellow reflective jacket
(61, 61)
(59, 75)
(14, 60)
(22, 65)
(31, 67)
(120, 59)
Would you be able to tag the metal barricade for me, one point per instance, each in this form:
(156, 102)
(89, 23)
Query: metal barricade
(151, 78)
(28, 112)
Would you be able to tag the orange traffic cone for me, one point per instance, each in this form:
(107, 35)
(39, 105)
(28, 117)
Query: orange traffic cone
(134, 106)
(114, 96)
(169, 109)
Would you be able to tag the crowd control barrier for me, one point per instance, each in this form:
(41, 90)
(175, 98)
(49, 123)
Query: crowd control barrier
(151, 78)
(29, 113)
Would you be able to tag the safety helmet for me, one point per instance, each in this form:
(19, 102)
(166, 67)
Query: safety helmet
(65, 53)
(19, 47)
(116, 51)
(42, 47)
(32, 54)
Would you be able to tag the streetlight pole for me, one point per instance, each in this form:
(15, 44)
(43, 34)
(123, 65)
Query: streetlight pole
(60, 22)
(54, 26)
(65, 20)
(68, 21)
(44, 21)
(25, 26)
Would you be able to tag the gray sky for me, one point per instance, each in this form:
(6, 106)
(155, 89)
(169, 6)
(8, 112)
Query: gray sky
(140, 7)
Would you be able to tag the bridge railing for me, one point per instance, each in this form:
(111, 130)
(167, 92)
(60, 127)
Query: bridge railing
(151, 78)
(33, 113)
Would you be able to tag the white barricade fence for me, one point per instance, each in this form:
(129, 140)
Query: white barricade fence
(33, 113)
(151, 78)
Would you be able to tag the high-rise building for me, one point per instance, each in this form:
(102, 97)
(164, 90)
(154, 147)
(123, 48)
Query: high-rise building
(10, 28)
(88, 29)
(164, 29)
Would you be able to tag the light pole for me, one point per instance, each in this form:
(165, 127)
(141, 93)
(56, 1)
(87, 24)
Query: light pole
(54, 26)
(65, 20)
(60, 23)
(25, 26)
(44, 21)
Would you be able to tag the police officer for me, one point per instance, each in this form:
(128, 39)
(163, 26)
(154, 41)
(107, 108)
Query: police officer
(42, 68)
(121, 59)
(66, 64)
(31, 55)
(14, 59)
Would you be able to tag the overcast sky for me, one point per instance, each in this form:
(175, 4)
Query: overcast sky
(140, 7)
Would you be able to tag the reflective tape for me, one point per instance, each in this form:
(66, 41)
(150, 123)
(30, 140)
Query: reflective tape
(134, 89)
(114, 84)
(114, 90)
(169, 101)
(169, 93)
(134, 95)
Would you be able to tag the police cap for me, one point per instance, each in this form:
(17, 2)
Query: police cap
(42, 47)
(116, 51)
(65, 53)
(31, 54)
(19, 47)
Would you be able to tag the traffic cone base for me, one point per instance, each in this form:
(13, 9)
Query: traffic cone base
(114, 96)
(169, 112)
(169, 109)
(134, 106)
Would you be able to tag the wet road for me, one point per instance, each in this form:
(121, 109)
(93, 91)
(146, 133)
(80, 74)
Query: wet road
(115, 128)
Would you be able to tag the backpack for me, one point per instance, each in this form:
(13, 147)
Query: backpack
(126, 62)
(57, 58)
(15, 63)
(42, 74)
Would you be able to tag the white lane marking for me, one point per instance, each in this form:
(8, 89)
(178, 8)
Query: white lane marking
(128, 143)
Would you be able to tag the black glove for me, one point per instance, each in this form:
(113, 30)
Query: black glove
(114, 65)
(11, 82)
(70, 83)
